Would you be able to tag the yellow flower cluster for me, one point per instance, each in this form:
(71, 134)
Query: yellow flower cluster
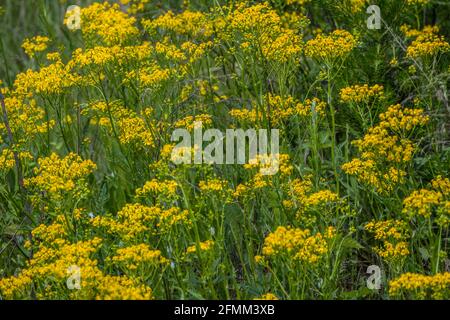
(299, 2)
(106, 24)
(361, 93)
(136, 220)
(393, 234)
(101, 56)
(419, 286)
(253, 186)
(204, 246)
(330, 47)
(133, 130)
(134, 6)
(56, 260)
(267, 162)
(170, 51)
(298, 244)
(426, 42)
(280, 109)
(191, 23)
(294, 20)
(425, 202)
(138, 256)
(321, 197)
(400, 119)
(7, 161)
(310, 107)
(130, 128)
(149, 77)
(48, 234)
(261, 32)
(384, 153)
(357, 5)
(442, 184)
(164, 188)
(298, 190)
(53, 263)
(303, 198)
(267, 296)
(60, 177)
(189, 122)
(212, 185)
(122, 288)
(417, 2)
(35, 45)
(52, 79)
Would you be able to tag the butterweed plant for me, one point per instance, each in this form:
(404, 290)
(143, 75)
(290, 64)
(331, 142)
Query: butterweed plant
(224, 149)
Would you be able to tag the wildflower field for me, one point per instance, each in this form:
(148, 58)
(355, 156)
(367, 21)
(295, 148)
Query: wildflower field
(93, 204)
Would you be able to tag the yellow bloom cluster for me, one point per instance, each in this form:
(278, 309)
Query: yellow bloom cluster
(400, 119)
(204, 246)
(266, 162)
(426, 42)
(106, 24)
(212, 185)
(164, 188)
(7, 161)
(122, 288)
(384, 152)
(299, 2)
(133, 130)
(357, 5)
(35, 45)
(48, 234)
(303, 198)
(48, 273)
(192, 23)
(421, 202)
(298, 190)
(262, 33)
(280, 109)
(149, 77)
(267, 296)
(417, 2)
(425, 202)
(169, 51)
(136, 220)
(189, 122)
(52, 79)
(321, 197)
(310, 107)
(102, 56)
(393, 234)
(419, 286)
(134, 6)
(130, 128)
(138, 255)
(298, 244)
(361, 93)
(336, 45)
(294, 20)
(52, 266)
(60, 177)
(442, 184)
(253, 186)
